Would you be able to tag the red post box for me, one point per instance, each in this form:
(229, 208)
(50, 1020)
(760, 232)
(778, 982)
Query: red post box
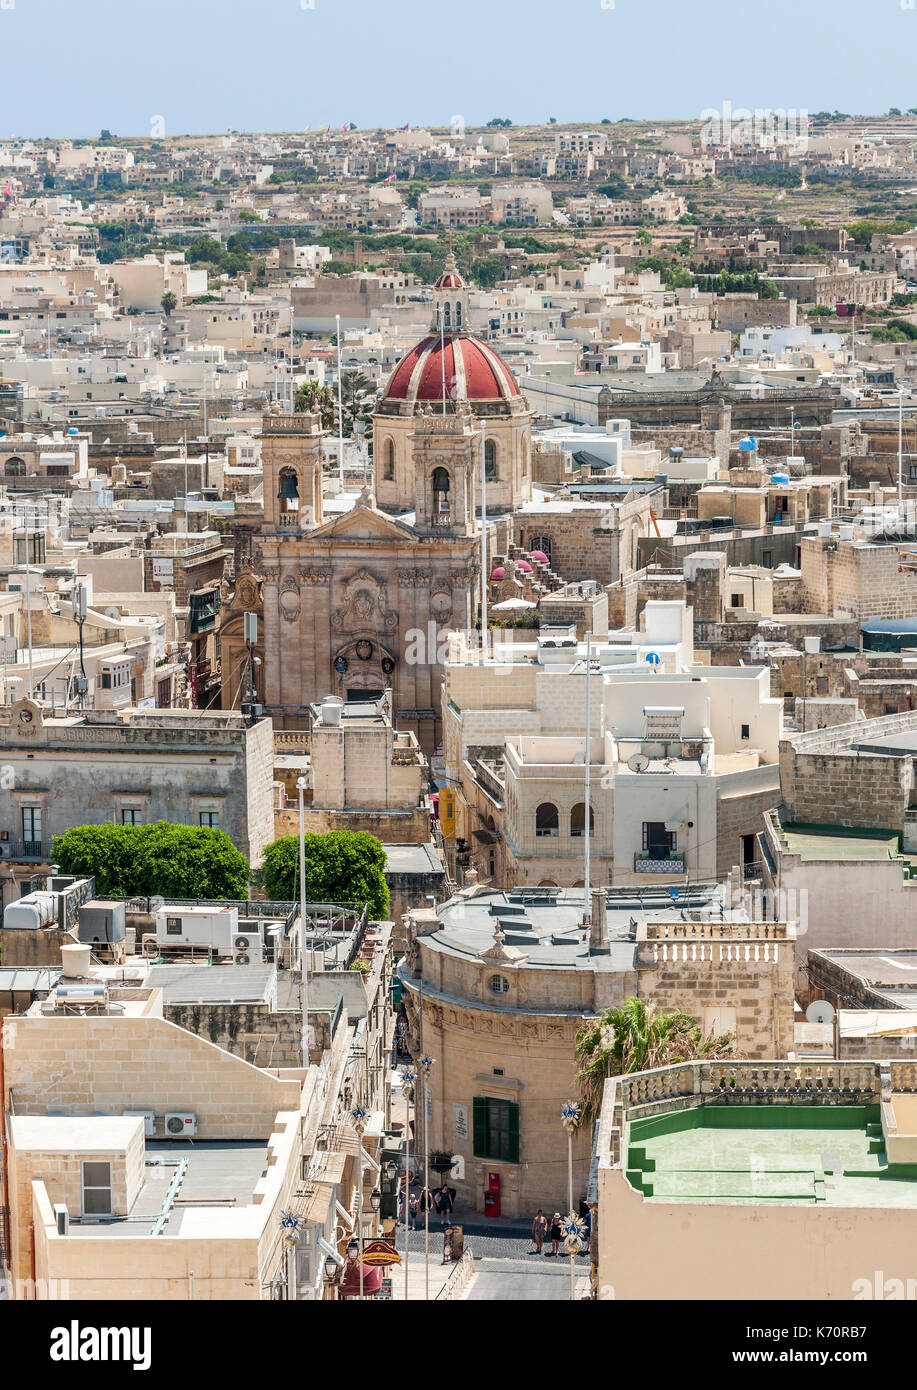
(492, 1195)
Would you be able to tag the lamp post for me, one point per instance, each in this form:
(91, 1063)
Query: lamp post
(289, 1224)
(359, 1115)
(569, 1118)
(425, 1063)
(408, 1078)
(303, 930)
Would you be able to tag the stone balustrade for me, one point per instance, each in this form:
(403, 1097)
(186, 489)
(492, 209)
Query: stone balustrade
(766, 1083)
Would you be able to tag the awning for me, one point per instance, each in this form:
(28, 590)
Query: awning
(372, 1280)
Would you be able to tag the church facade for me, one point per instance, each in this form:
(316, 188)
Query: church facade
(358, 603)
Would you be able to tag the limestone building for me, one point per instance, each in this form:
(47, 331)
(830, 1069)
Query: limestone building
(508, 979)
(356, 603)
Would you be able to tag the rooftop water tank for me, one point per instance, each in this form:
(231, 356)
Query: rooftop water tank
(33, 911)
(75, 960)
(748, 443)
(780, 477)
(331, 710)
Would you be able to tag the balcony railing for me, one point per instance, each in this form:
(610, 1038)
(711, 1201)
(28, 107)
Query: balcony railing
(29, 849)
(647, 862)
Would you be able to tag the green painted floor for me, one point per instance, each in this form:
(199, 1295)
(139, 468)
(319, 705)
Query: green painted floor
(720, 1154)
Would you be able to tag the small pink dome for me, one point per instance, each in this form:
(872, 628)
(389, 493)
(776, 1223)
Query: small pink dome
(540, 556)
(497, 574)
(524, 566)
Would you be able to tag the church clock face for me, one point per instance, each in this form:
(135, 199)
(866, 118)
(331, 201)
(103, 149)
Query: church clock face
(441, 605)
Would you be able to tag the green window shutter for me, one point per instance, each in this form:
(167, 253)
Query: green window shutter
(513, 1132)
(480, 1127)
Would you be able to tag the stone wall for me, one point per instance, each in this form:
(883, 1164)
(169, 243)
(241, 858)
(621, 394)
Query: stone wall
(115, 1063)
(823, 780)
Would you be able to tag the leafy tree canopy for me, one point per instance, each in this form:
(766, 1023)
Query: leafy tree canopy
(634, 1038)
(175, 861)
(344, 866)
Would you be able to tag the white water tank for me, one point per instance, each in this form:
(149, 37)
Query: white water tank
(31, 912)
(812, 644)
(332, 707)
(75, 960)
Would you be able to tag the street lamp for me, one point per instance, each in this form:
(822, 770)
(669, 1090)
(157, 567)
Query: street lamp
(569, 1118)
(375, 1199)
(303, 928)
(359, 1117)
(290, 1223)
(408, 1078)
(425, 1063)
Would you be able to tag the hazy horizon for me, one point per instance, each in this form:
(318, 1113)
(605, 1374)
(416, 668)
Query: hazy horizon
(71, 71)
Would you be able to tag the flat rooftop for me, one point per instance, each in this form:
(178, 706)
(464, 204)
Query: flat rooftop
(216, 1176)
(765, 1155)
(820, 842)
(214, 984)
(547, 924)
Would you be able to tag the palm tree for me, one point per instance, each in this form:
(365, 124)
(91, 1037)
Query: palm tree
(310, 396)
(634, 1038)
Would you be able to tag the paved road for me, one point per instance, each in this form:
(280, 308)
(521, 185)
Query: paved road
(521, 1280)
(488, 1240)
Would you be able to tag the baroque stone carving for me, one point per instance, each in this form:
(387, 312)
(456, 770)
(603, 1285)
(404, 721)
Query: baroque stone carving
(364, 606)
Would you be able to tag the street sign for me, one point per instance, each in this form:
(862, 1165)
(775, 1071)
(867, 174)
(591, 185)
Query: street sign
(380, 1252)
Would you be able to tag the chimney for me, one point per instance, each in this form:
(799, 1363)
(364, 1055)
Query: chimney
(598, 923)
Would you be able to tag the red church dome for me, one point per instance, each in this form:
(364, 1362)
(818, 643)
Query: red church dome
(451, 277)
(473, 371)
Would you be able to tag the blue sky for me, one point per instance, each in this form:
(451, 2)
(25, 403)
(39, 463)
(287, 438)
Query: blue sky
(70, 67)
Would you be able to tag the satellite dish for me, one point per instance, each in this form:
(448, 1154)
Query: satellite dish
(638, 762)
(820, 1012)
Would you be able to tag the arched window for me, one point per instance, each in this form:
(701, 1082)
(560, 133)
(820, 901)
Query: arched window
(458, 313)
(288, 491)
(490, 460)
(440, 490)
(15, 468)
(389, 463)
(546, 821)
(447, 316)
(542, 543)
(578, 821)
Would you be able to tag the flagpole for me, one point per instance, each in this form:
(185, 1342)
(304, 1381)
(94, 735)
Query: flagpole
(337, 319)
(483, 541)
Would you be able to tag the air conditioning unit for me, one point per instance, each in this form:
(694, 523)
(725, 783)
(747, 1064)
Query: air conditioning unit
(62, 1219)
(181, 1126)
(247, 949)
(149, 1121)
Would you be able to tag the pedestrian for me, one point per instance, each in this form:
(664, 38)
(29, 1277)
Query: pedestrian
(444, 1203)
(425, 1203)
(556, 1233)
(539, 1230)
(415, 1209)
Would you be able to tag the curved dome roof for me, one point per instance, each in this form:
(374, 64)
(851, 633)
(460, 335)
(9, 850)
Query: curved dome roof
(451, 277)
(473, 371)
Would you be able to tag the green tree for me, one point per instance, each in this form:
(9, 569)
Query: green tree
(486, 271)
(358, 396)
(344, 866)
(310, 396)
(168, 302)
(177, 861)
(634, 1038)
